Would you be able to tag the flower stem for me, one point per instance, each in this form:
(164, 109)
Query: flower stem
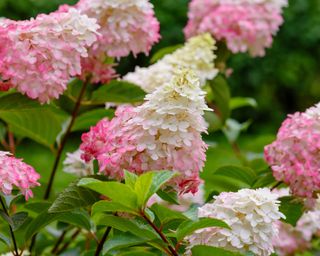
(16, 252)
(102, 241)
(66, 245)
(159, 232)
(65, 139)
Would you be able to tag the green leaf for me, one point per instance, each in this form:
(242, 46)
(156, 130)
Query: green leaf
(169, 196)
(29, 119)
(233, 128)
(79, 219)
(6, 218)
(118, 92)
(130, 179)
(203, 250)
(3, 131)
(4, 239)
(292, 208)
(18, 220)
(265, 179)
(241, 173)
(165, 215)
(122, 241)
(189, 226)
(105, 206)
(164, 51)
(90, 118)
(149, 183)
(116, 191)
(72, 198)
(37, 207)
(127, 225)
(221, 91)
(239, 102)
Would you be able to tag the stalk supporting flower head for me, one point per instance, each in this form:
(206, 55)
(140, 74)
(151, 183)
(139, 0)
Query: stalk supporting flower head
(245, 25)
(14, 172)
(294, 155)
(39, 56)
(164, 133)
(197, 54)
(251, 215)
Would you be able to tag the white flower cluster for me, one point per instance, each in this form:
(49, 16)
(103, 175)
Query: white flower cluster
(251, 215)
(197, 54)
(278, 4)
(75, 165)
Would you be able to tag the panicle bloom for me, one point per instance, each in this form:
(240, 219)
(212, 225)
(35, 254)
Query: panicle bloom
(14, 172)
(245, 25)
(251, 215)
(197, 54)
(126, 26)
(294, 156)
(74, 164)
(309, 224)
(162, 134)
(39, 56)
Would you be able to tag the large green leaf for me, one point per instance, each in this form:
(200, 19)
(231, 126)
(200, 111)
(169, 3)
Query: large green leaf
(116, 191)
(149, 183)
(19, 219)
(241, 173)
(4, 239)
(90, 118)
(41, 123)
(203, 250)
(74, 197)
(188, 227)
(292, 208)
(118, 92)
(107, 206)
(165, 215)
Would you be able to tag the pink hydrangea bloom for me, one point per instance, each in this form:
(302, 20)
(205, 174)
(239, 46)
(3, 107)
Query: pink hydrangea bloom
(39, 56)
(294, 155)
(13, 172)
(245, 25)
(162, 134)
(126, 25)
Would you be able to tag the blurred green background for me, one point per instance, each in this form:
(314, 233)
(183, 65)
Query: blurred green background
(286, 80)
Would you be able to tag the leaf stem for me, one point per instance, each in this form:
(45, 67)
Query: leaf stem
(159, 232)
(65, 138)
(102, 241)
(16, 252)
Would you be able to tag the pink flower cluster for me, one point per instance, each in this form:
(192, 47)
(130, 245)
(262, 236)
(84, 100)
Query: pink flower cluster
(39, 56)
(13, 172)
(294, 156)
(245, 25)
(161, 134)
(126, 26)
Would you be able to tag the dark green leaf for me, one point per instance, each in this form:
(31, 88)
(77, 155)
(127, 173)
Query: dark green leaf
(203, 250)
(166, 215)
(118, 92)
(6, 218)
(241, 173)
(292, 208)
(79, 219)
(169, 196)
(164, 51)
(5, 240)
(18, 220)
(189, 226)
(37, 207)
(106, 206)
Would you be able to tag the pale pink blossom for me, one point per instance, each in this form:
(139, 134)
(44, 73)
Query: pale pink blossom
(164, 133)
(294, 155)
(15, 173)
(244, 25)
(39, 56)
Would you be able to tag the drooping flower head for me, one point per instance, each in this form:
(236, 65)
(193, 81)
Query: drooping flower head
(251, 215)
(39, 56)
(162, 134)
(74, 164)
(126, 26)
(244, 25)
(294, 156)
(197, 54)
(15, 173)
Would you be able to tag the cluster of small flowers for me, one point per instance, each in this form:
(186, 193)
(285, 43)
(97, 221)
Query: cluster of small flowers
(245, 25)
(39, 56)
(164, 133)
(294, 155)
(252, 217)
(14, 172)
(197, 54)
(74, 164)
(126, 26)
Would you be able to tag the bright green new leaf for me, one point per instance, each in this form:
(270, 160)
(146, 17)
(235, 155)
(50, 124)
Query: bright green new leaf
(203, 250)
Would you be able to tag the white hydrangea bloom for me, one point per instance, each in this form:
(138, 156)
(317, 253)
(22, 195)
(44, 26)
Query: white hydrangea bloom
(252, 216)
(313, 112)
(309, 224)
(75, 165)
(278, 4)
(197, 55)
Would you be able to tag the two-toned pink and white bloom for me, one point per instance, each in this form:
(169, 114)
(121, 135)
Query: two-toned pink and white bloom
(251, 215)
(164, 133)
(39, 56)
(15, 173)
(244, 25)
(294, 156)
